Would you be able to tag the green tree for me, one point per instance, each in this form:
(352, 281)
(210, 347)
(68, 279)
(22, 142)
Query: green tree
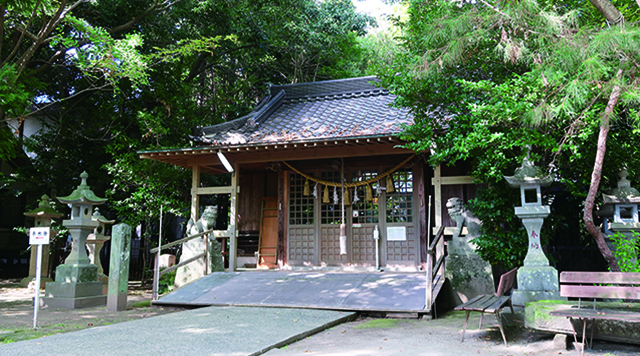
(486, 79)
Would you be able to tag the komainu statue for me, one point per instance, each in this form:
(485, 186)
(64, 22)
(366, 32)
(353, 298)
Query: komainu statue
(195, 270)
(469, 274)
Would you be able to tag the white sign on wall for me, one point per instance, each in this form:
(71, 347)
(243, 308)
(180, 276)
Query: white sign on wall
(39, 235)
(396, 233)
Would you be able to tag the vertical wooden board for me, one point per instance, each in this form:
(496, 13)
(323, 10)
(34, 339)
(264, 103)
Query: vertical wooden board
(233, 218)
(269, 232)
(282, 243)
(252, 189)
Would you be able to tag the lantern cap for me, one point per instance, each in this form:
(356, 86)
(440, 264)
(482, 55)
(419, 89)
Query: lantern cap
(83, 194)
(528, 174)
(624, 193)
(44, 209)
(101, 219)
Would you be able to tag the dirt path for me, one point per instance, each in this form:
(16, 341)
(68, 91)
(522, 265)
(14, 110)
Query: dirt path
(16, 310)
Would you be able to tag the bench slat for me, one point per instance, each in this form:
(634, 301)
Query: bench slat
(478, 304)
(600, 277)
(576, 291)
(499, 303)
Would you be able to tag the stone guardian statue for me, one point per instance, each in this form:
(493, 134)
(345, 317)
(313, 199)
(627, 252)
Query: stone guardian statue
(469, 274)
(195, 270)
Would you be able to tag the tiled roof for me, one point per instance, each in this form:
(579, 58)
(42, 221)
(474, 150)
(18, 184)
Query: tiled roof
(346, 108)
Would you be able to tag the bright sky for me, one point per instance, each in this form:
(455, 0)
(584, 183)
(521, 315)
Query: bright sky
(372, 7)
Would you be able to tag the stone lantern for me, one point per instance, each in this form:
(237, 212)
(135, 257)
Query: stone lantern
(537, 280)
(95, 242)
(622, 206)
(43, 215)
(76, 284)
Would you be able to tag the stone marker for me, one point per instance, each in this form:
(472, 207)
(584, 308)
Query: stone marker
(76, 284)
(469, 274)
(537, 280)
(119, 267)
(43, 215)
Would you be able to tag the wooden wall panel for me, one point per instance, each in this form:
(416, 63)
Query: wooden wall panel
(252, 189)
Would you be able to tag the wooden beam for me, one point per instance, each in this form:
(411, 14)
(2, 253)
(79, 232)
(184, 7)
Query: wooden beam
(213, 190)
(195, 199)
(282, 236)
(320, 152)
(454, 180)
(233, 217)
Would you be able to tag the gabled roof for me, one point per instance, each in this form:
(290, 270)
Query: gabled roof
(308, 112)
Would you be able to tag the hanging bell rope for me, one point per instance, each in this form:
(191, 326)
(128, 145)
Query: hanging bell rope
(352, 184)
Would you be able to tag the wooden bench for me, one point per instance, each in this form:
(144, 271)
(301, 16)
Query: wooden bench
(489, 303)
(594, 285)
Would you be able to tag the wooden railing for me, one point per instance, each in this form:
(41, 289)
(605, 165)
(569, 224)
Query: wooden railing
(435, 268)
(209, 234)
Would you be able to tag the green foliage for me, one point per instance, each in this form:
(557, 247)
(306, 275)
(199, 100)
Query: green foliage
(167, 282)
(485, 81)
(627, 251)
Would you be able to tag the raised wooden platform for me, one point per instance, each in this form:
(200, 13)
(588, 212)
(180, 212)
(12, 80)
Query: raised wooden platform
(368, 292)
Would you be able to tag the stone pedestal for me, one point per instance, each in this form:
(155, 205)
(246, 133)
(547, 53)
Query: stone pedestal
(536, 279)
(469, 274)
(94, 245)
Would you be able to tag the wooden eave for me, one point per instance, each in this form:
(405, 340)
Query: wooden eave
(273, 152)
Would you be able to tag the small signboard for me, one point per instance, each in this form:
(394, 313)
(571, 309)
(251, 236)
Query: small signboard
(39, 235)
(396, 233)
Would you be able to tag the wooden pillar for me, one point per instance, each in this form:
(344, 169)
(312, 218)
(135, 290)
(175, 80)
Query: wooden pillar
(195, 199)
(418, 182)
(437, 191)
(282, 244)
(233, 217)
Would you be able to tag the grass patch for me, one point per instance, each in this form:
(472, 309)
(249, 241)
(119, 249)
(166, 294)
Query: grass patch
(378, 324)
(142, 304)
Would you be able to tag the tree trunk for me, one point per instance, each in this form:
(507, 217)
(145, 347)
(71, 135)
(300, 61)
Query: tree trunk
(596, 175)
(609, 11)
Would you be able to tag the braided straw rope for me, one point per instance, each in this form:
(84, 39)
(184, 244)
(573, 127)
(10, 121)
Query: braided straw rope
(354, 184)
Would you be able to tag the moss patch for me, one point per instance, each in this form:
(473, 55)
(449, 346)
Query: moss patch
(142, 304)
(378, 324)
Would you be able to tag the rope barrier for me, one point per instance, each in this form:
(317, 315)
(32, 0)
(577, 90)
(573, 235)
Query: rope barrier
(353, 184)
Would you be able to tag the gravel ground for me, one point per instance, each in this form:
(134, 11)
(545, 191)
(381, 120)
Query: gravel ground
(16, 310)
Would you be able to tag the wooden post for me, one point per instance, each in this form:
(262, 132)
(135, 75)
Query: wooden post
(233, 217)
(437, 192)
(195, 199)
(282, 245)
(418, 182)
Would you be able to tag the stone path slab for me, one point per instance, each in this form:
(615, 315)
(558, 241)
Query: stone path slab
(384, 292)
(213, 331)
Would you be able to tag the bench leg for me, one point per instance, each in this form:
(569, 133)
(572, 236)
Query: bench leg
(464, 329)
(501, 329)
(584, 334)
(480, 326)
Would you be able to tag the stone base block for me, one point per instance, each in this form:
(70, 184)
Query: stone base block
(74, 303)
(77, 273)
(73, 290)
(537, 317)
(560, 342)
(522, 297)
(538, 278)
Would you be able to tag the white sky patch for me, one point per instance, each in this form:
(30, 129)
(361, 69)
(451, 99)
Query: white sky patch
(374, 8)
